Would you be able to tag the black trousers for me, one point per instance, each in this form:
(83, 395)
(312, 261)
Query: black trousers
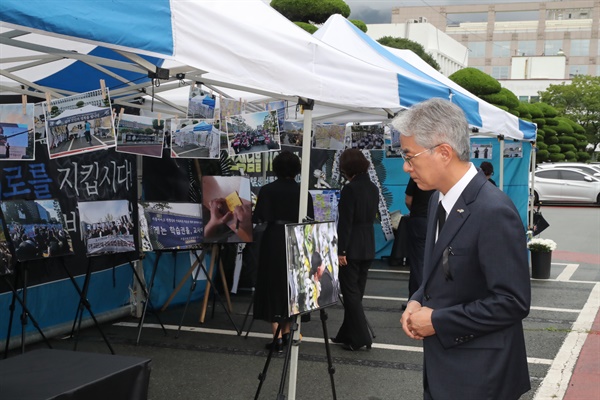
(353, 280)
(417, 230)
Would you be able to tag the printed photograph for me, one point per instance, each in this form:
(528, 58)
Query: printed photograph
(107, 227)
(140, 135)
(511, 150)
(325, 204)
(201, 104)
(226, 209)
(312, 261)
(36, 229)
(171, 226)
(79, 124)
(291, 133)
(253, 133)
(16, 132)
(7, 259)
(192, 138)
(391, 138)
(329, 136)
(366, 137)
(479, 151)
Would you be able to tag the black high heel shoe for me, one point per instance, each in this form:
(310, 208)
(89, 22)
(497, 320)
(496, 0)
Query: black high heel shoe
(350, 347)
(336, 340)
(278, 346)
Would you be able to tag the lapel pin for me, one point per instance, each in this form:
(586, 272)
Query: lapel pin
(460, 211)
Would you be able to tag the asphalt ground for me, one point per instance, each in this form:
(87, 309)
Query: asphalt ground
(211, 361)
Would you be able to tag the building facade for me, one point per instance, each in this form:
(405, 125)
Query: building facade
(446, 51)
(499, 36)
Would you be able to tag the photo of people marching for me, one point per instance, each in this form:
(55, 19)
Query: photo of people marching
(107, 227)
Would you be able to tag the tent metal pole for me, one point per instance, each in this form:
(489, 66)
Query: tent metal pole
(501, 183)
(305, 173)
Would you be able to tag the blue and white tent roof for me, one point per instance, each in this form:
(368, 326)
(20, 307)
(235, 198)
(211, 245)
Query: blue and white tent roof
(343, 35)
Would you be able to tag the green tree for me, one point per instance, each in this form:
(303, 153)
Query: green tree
(402, 43)
(580, 102)
(310, 11)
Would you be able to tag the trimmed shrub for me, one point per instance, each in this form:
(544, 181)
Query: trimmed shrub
(476, 81)
(556, 157)
(583, 156)
(554, 148)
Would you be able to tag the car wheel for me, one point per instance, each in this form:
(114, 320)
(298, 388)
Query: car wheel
(536, 198)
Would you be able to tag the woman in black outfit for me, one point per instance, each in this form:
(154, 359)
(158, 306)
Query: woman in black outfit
(278, 204)
(356, 246)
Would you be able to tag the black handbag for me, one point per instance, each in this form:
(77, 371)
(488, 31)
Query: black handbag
(539, 222)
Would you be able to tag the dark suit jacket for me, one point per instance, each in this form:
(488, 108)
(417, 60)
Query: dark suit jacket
(356, 213)
(478, 351)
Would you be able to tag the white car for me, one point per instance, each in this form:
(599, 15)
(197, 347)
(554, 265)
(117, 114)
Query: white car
(567, 185)
(591, 169)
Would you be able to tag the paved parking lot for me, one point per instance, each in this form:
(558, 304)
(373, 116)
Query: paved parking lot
(210, 361)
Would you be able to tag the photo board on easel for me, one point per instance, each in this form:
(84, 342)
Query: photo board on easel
(312, 266)
(107, 227)
(172, 226)
(226, 209)
(36, 228)
(7, 259)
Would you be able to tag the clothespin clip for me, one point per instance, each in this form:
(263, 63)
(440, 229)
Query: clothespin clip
(48, 99)
(158, 117)
(103, 88)
(24, 103)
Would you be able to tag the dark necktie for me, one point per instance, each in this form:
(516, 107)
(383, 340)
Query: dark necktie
(441, 217)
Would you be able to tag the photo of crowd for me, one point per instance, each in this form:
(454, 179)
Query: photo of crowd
(6, 254)
(107, 227)
(253, 133)
(366, 137)
(36, 229)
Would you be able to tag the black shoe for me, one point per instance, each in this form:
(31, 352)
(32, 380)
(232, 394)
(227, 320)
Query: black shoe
(285, 338)
(350, 347)
(335, 340)
(278, 346)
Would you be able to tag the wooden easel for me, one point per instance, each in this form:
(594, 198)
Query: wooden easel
(215, 255)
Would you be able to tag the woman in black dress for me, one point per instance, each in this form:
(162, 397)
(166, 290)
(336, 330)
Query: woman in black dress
(278, 204)
(357, 210)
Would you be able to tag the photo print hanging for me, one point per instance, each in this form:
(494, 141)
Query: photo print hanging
(312, 266)
(140, 135)
(253, 133)
(79, 124)
(16, 132)
(512, 150)
(291, 133)
(366, 136)
(171, 226)
(226, 209)
(325, 204)
(481, 151)
(7, 258)
(107, 227)
(36, 229)
(391, 138)
(201, 104)
(194, 138)
(329, 136)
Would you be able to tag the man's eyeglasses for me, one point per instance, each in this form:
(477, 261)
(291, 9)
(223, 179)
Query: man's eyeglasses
(409, 158)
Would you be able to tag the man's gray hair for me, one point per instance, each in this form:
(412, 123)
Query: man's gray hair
(436, 121)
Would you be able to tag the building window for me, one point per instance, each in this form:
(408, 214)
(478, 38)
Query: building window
(580, 47)
(501, 49)
(476, 49)
(534, 99)
(575, 70)
(523, 98)
(525, 48)
(551, 47)
(500, 72)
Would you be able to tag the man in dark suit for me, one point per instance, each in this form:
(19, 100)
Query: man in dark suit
(476, 289)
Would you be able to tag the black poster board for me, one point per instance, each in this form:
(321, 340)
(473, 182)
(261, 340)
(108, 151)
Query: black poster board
(93, 176)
